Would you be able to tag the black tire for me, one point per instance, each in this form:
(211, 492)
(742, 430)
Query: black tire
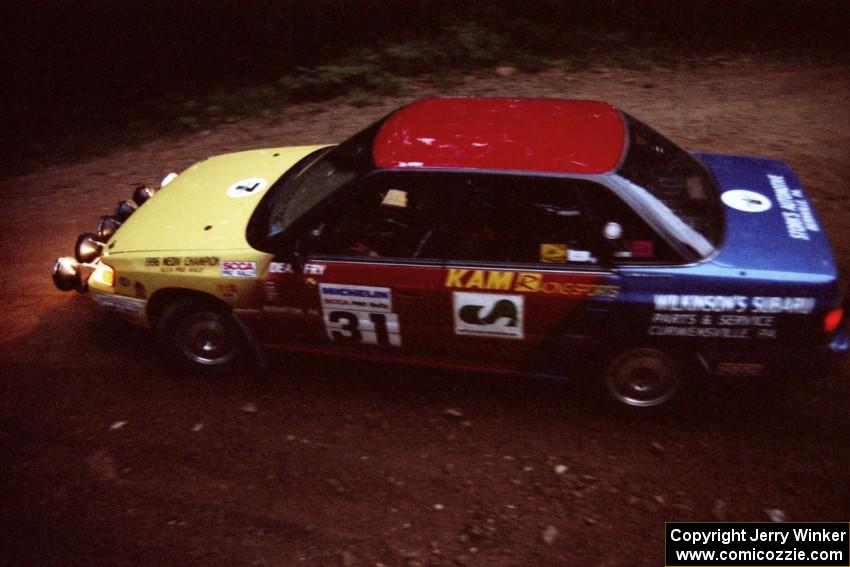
(201, 335)
(643, 378)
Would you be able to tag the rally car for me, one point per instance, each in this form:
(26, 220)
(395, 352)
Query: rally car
(504, 234)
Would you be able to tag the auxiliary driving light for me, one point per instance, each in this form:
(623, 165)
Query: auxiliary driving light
(106, 227)
(88, 248)
(124, 209)
(167, 179)
(142, 194)
(66, 274)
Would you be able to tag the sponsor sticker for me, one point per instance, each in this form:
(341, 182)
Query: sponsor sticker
(314, 269)
(121, 304)
(723, 316)
(193, 264)
(525, 282)
(282, 310)
(228, 291)
(488, 315)
(280, 268)
(355, 297)
(746, 201)
(246, 187)
(239, 269)
(359, 314)
(796, 210)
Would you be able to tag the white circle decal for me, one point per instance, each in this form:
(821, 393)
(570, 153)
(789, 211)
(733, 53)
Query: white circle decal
(747, 201)
(246, 187)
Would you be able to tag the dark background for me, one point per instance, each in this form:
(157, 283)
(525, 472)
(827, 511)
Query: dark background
(79, 72)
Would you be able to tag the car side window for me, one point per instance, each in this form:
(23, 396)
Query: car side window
(388, 216)
(623, 236)
(521, 220)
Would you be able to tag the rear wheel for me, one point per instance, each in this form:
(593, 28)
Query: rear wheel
(643, 378)
(202, 335)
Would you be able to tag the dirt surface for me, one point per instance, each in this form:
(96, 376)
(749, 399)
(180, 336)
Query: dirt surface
(108, 456)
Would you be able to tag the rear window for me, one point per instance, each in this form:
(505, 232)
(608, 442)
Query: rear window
(679, 182)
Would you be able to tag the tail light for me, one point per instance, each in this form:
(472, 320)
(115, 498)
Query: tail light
(833, 320)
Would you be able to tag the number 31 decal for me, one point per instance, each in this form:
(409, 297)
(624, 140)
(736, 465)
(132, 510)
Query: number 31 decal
(363, 327)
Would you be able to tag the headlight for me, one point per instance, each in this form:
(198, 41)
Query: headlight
(66, 274)
(104, 274)
(88, 248)
(142, 194)
(124, 209)
(106, 227)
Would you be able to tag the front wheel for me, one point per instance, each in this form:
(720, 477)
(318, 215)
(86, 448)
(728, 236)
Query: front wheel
(202, 336)
(643, 378)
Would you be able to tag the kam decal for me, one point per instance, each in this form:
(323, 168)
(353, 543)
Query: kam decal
(359, 314)
(246, 187)
(746, 201)
(488, 315)
(526, 282)
(239, 269)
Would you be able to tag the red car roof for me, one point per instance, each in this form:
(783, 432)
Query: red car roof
(543, 135)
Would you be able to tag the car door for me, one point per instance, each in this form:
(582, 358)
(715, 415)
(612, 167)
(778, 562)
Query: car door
(371, 280)
(525, 276)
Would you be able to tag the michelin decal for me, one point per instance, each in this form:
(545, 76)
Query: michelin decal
(359, 314)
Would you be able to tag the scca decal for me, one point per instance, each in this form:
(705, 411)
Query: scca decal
(528, 282)
(239, 269)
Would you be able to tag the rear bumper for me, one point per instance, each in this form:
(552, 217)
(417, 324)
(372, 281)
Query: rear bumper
(811, 364)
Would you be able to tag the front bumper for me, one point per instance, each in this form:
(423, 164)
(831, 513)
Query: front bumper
(129, 307)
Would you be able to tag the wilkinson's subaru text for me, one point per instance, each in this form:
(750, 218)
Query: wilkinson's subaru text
(503, 234)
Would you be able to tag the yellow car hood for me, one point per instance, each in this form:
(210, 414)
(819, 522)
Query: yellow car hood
(207, 207)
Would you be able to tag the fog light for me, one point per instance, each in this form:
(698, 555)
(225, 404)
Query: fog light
(142, 194)
(106, 227)
(104, 274)
(66, 274)
(88, 248)
(124, 209)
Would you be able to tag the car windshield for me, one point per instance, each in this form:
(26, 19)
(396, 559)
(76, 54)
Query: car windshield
(310, 182)
(675, 185)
